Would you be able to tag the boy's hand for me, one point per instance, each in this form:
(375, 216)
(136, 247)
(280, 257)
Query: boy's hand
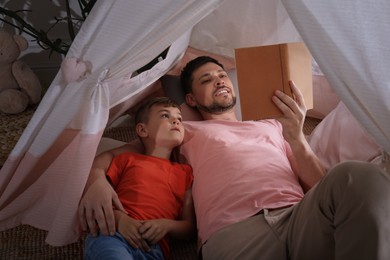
(128, 228)
(154, 230)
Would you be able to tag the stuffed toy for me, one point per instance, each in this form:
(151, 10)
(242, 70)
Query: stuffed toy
(19, 86)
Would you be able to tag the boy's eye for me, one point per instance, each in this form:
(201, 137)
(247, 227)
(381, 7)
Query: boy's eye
(165, 116)
(206, 81)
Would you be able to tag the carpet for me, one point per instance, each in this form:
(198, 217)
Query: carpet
(11, 128)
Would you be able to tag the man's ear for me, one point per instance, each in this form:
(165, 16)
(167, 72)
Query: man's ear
(141, 130)
(190, 100)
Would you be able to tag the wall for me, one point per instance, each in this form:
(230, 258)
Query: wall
(42, 17)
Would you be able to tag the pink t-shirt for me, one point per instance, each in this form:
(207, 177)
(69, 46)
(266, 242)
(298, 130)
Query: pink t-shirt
(239, 168)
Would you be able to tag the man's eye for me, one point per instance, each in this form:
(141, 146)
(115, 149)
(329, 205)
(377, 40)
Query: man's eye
(206, 81)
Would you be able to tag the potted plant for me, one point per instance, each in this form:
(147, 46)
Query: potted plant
(16, 18)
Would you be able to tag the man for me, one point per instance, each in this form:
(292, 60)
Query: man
(253, 183)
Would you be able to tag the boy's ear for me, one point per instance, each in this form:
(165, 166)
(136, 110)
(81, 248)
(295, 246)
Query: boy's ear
(190, 100)
(141, 130)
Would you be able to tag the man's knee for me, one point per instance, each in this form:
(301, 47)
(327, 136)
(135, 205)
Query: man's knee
(362, 179)
(359, 170)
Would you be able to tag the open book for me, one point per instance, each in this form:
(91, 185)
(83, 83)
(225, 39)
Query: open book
(264, 69)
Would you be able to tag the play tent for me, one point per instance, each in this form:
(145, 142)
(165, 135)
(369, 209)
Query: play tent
(48, 168)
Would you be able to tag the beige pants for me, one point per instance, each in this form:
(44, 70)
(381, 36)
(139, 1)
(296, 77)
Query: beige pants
(345, 216)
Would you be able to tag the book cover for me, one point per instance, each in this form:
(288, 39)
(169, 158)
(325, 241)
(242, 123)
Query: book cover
(262, 70)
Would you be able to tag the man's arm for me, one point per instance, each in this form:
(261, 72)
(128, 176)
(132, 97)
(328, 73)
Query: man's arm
(96, 205)
(304, 162)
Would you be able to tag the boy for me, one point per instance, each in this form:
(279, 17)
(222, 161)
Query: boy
(154, 191)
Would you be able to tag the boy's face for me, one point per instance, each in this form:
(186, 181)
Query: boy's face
(165, 126)
(212, 89)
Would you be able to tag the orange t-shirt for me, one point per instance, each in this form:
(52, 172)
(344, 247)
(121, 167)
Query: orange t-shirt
(150, 187)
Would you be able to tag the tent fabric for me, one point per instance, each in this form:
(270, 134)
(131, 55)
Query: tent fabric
(349, 40)
(43, 178)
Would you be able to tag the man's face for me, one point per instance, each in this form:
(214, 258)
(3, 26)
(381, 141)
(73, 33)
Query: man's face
(212, 90)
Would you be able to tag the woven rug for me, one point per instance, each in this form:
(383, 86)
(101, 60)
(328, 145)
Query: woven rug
(25, 242)
(11, 128)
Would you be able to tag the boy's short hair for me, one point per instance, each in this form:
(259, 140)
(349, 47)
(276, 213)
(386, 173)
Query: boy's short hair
(142, 114)
(186, 74)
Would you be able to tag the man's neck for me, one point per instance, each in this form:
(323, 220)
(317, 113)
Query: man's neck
(228, 115)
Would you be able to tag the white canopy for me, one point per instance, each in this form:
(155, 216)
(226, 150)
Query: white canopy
(47, 170)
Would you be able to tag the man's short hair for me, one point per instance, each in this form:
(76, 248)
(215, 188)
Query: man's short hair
(186, 74)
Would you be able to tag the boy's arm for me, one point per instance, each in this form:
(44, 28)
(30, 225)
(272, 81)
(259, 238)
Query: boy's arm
(96, 205)
(154, 230)
(185, 228)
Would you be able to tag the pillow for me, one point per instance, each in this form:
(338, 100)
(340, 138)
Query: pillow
(340, 137)
(172, 89)
(107, 144)
(324, 98)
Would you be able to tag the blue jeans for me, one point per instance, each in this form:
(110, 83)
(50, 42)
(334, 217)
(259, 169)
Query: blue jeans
(116, 247)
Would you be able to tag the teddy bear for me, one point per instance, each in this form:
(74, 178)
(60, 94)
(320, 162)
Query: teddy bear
(19, 86)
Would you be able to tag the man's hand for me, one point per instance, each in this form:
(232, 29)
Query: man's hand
(96, 208)
(129, 229)
(294, 112)
(96, 205)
